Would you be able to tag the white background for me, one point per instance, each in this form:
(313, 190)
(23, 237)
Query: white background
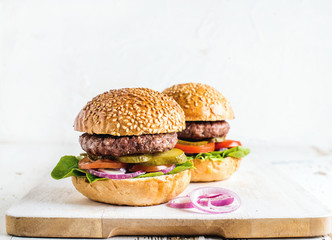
(271, 59)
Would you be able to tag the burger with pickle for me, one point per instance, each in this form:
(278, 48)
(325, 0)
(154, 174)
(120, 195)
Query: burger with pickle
(204, 139)
(129, 159)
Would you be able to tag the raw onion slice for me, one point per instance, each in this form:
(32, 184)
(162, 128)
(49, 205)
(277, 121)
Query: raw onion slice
(181, 202)
(230, 199)
(220, 149)
(116, 171)
(208, 199)
(167, 170)
(114, 176)
(216, 200)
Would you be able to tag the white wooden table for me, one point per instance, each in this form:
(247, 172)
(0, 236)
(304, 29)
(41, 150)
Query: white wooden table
(25, 165)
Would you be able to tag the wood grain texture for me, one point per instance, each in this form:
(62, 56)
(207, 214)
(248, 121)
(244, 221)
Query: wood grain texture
(54, 227)
(272, 206)
(180, 238)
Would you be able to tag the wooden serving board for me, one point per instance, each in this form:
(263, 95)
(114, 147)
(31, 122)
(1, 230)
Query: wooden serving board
(272, 206)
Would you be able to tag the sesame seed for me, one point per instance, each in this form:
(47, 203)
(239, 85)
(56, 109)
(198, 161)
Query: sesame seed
(143, 109)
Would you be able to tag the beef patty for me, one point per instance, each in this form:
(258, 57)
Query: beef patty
(203, 130)
(107, 145)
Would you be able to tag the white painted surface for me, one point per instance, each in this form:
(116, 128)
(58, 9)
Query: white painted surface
(271, 59)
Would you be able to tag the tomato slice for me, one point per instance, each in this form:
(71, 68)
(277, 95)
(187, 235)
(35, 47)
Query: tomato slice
(136, 167)
(196, 149)
(86, 163)
(228, 144)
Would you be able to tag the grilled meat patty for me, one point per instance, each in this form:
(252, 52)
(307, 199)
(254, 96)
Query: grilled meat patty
(107, 145)
(203, 130)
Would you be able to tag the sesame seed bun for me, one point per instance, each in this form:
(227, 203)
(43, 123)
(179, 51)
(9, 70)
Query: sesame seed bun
(135, 191)
(208, 170)
(200, 102)
(130, 111)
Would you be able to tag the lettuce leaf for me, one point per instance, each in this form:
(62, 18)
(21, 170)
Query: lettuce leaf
(181, 167)
(92, 178)
(236, 152)
(68, 166)
(152, 174)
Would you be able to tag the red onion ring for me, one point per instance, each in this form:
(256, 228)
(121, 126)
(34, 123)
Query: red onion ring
(181, 202)
(208, 199)
(112, 171)
(114, 176)
(216, 200)
(211, 207)
(167, 170)
(220, 149)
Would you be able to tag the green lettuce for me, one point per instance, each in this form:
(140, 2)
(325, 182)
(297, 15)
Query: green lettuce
(152, 174)
(236, 152)
(68, 166)
(181, 167)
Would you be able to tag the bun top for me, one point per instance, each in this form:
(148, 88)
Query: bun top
(200, 102)
(130, 111)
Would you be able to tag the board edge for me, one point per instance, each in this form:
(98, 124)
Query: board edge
(54, 227)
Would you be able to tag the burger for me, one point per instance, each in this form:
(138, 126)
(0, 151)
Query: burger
(204, 140)
(129, 156)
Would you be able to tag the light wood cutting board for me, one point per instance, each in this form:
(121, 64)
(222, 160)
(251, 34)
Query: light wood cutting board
(272, 206)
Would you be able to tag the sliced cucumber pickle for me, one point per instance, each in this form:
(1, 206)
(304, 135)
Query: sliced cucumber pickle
(174, 156)
(134, 158)
(200, 143)
(91, 156)
(217, 139)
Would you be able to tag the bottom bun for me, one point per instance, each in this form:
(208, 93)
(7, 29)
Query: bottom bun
(209, 170)
(134, 192)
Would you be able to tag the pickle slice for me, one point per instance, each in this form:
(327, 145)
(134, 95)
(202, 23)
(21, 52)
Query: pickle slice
(174, 156)
(200, 143)
(217, 139)
(134, 158)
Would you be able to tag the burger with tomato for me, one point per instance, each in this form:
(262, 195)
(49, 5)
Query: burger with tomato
(129, 159)
(204, 140)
